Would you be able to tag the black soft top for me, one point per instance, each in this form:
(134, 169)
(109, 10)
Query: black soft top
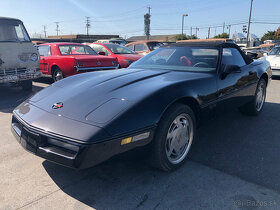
(8, 18)
(203, 44)
(215, 44)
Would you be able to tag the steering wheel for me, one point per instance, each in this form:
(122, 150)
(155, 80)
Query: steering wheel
(201, 64)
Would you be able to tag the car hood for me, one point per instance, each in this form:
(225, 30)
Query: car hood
(97, 97)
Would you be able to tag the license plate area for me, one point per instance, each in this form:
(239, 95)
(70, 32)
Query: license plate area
(29, 140)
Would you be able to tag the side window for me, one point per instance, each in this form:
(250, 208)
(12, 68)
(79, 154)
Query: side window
(44, 50)
(140, 48)
(232, 56)
(130, 46)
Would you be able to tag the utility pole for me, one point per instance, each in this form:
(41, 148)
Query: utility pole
(191, 32)
(249, 23)
(215, 31)
(208, 32)
(147, 22)
(149, 9)
(87, 24)
(196, 30)
(184, 15)
(57, 26)
(45, 30)
(224, 27)
(228, 30)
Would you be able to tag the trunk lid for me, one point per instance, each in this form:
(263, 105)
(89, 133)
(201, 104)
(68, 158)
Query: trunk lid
(94, 61)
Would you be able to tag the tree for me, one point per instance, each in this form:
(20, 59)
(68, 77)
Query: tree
(270, 35)
(277, 33)
(222, 35)
(184, 37)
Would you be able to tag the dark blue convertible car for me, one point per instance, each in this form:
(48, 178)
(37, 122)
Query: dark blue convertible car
(158, 102)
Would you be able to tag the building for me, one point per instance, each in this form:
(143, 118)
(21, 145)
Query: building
(160, 38)
(240, 38)
(79, 38)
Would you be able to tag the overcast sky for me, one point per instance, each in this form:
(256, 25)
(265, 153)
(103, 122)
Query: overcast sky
(125, 17)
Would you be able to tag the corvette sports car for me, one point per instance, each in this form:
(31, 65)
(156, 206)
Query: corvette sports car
(157, 102)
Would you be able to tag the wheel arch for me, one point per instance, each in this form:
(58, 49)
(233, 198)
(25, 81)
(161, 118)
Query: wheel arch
(265, 77)
(53, 68)
(191, 102)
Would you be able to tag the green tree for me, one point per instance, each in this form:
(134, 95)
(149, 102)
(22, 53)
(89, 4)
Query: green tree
(222, 35)
(180, 37)
(184, 37)
(270, 35)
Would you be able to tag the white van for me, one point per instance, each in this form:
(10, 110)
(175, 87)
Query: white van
(19, 59)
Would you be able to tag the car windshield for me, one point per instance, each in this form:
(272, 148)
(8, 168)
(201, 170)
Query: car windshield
(275, 51)
(154, 45)
(194, 59)
(13, 31)
(76, 50)
(118, 49)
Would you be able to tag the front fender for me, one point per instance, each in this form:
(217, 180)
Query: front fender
(148, 111)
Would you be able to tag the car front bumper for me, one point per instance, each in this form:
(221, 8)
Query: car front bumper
(276, 71)
(70, 153)
(16, 75)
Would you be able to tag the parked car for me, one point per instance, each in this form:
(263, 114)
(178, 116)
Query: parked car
(273, 57)
(60, 60)
(113, 41)
(266, 47)
(158, 101)
(124, 55)
(256, 51)
(144, 47)
(19, 59)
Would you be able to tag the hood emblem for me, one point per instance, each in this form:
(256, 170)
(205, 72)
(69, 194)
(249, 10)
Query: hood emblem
(98, 63)
(57, 105)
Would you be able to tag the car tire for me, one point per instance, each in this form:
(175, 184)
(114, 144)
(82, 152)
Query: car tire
(26, 85)
(255, 107)
(173, 137)
(57, 74)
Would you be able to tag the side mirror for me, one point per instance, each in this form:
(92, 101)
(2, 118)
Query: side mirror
(252, 55)
(101, 53)
(228, 69)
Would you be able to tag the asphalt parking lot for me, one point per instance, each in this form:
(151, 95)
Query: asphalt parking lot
(234, 164)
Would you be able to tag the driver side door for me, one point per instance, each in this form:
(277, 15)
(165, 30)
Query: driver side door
(237, 87)
(45, 53)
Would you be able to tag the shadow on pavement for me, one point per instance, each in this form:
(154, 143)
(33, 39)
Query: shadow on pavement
(11, 97)
(45, 80)
(246, 147)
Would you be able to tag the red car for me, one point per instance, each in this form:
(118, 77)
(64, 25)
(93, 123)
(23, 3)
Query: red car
(61, 60)
(124, 55)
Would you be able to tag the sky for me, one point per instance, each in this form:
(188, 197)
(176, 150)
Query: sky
(125, 17)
